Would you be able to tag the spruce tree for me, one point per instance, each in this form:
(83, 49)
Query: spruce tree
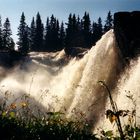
(100, 28)
(62, 36)
(69, 32)
(23, 40)
(8, 42)
(47, 36)
(32, 35)
(1, 39)
(94, 33)
(56, 36)
(52, 33)
(78, 32)
(97, 31)
(86, 22)
(81, 41)
(38, 34)
(108, 22)
(87, 29)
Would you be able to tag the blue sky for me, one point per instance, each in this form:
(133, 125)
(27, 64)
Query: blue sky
(61, 9)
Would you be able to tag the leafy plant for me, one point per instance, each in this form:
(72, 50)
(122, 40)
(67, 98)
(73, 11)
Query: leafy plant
(113, 115)
(17, 122)
(130, 132)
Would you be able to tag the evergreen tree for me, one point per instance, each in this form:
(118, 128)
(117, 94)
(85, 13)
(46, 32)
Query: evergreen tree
(94, 33)
(72, 32)
(109, 22)
(100, 28)
(1, 39)
(87, 29)
(8, 42)
(54, 33)
(23, 31)
(62, 36)
(78, 32)
(52, 41)
(86, 23)
(38, 34)
(97, 31)
(79, 24)
(74, 24)
(79, 39)
(32, 35)
(69, 32)
(47, 36)
(57, 35)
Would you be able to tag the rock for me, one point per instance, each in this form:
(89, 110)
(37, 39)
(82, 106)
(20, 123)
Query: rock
(75, 51)
(127, 32)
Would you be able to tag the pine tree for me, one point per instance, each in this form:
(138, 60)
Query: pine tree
(97, 31)
(8, 42)
(62, 36)
(72, 32)
(74, 24)
(69, 32)
(38, 34)
(47, 36)
(87, 29)
(23, 31)
(56, 36)
(86, 22)
(78, 32)
(32, 35)
(52, 33)
(79, 39)
(109, 22)
(1, 39)
(94, 33)
(100, 28)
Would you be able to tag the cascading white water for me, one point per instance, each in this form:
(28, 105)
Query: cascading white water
(56, 84)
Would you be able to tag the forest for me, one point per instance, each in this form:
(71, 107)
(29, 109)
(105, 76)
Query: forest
(53, 36)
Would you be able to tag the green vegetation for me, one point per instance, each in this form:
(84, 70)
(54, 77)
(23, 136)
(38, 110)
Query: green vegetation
(53, 35)
(18, 122)
(130, 131)
(36, 129)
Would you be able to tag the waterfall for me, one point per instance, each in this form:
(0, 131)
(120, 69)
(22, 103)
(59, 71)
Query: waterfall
(53, 82)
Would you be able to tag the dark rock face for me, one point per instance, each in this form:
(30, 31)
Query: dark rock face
(127, 32)
(75, 51)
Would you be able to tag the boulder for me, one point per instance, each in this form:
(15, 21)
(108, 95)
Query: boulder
(75, 51)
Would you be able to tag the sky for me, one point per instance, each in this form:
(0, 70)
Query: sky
(61, 9)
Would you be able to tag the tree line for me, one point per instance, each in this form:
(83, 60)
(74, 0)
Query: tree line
(54, 36)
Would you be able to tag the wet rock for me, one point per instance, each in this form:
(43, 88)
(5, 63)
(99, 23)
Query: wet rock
(75, 51)
(127, 32)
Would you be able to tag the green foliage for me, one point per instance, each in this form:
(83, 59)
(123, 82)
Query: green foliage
(8, 43)
(17, 122)
(108, 22)
(20, 124)
(130, 131)
(23, 40)
(16, 128)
